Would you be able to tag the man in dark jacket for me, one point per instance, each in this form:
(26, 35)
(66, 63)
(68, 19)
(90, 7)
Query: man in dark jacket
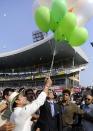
(50, 115)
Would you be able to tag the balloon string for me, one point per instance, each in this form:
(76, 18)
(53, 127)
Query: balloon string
(52, 63)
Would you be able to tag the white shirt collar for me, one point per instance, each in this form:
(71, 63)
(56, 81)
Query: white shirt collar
(50, 101)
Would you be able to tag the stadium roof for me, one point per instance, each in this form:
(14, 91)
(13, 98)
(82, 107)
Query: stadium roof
(40, 52)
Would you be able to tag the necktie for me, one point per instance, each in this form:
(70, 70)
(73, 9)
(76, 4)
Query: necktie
(52, 109)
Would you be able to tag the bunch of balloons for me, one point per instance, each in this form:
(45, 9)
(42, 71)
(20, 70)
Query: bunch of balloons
(65, 18)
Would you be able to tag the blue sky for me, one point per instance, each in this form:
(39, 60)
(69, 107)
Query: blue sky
(17, 24)
(86, 77)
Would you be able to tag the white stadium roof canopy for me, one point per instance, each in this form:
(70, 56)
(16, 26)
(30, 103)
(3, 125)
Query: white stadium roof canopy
(41, 52)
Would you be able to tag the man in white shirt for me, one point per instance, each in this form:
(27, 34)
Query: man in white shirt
(22, 112)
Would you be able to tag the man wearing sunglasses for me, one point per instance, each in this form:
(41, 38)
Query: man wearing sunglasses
(88, 108)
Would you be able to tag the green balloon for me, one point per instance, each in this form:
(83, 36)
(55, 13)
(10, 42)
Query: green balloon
(68, 24)
(59, 9)
(53, 23)
(42, 18)
(78, 36)
(58, 35)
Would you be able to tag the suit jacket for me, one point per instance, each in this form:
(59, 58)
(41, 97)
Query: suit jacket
(48, 123)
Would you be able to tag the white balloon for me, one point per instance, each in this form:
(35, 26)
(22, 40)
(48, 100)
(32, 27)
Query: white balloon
(35, 6)
(37, 3)
(71, 3)
(83, 11)
(46, 3)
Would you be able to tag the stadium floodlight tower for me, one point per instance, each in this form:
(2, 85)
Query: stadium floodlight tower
(38, 35)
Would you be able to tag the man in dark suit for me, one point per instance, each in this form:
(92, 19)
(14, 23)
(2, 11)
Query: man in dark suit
(50, 115)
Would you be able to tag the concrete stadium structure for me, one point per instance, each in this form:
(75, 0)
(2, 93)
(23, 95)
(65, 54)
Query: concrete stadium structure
(35, 61)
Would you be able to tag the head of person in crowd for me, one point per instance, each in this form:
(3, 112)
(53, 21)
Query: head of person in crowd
(79, 100)
(50, 95)
(82, 88)
(30, 95)
(87, 88)
(55, 95)
(75, 96)
(17, 100)
(7, 92)
(88, 99)
(38, 92)
(66, 95)
(60, 98)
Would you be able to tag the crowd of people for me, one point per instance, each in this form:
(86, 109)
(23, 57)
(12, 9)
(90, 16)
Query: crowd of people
(24, 110)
